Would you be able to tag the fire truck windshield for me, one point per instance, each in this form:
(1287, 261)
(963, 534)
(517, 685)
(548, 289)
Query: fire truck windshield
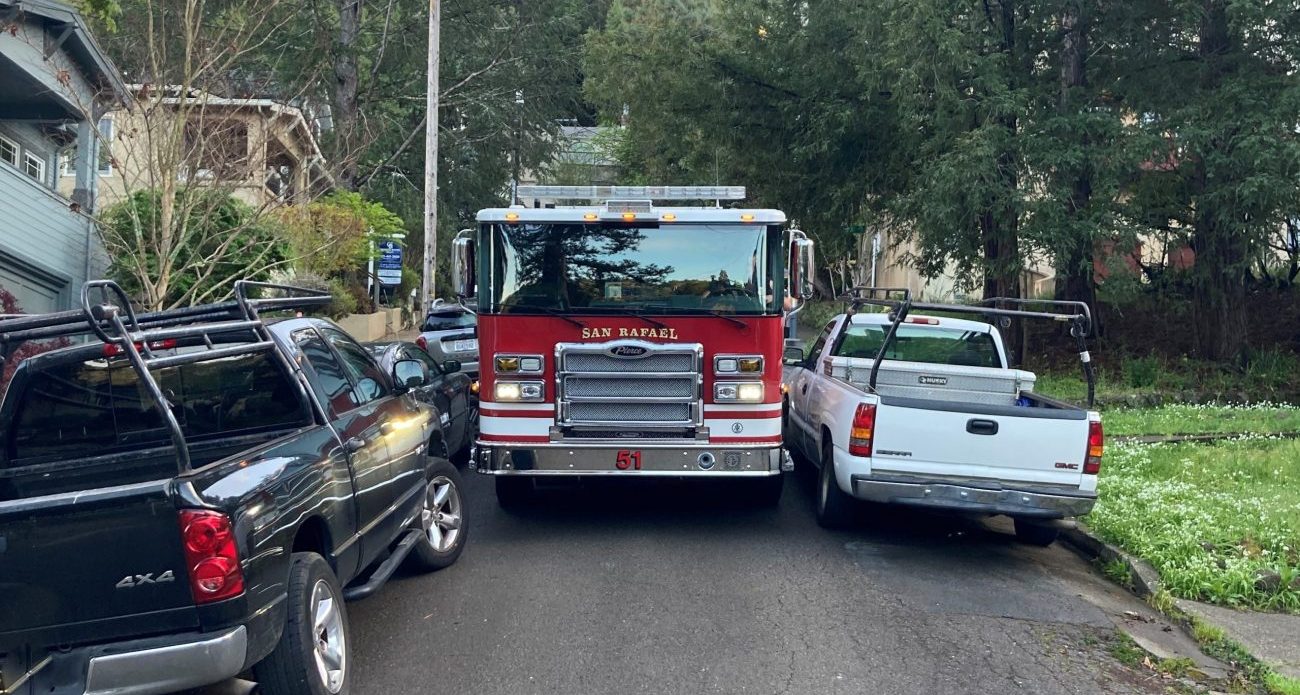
(670, 269)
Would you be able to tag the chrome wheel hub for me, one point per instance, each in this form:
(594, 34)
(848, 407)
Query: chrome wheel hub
(330, 644)
(441, 516)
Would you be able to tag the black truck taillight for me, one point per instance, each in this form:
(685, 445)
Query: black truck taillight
(1096, 445)
(211, 555)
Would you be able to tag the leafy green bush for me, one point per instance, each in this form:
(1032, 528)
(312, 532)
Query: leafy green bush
(1142, 372)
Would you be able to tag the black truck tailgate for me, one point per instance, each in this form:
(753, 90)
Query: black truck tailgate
(72, 563)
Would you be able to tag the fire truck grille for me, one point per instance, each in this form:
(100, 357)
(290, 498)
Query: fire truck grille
(655, 390)
(630, 387)
(630, 412)
(604, 364)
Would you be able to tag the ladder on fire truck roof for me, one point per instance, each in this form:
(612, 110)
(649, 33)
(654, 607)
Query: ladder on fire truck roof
(633, 192)
(898, 301)
(224, 329)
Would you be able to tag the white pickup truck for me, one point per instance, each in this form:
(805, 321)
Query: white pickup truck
(942, 423)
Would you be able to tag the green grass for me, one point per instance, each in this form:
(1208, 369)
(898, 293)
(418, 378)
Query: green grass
(1208, 517)
(1260, 418)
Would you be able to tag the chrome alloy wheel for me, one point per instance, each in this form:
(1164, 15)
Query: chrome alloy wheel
(441, 516)
(330, 644)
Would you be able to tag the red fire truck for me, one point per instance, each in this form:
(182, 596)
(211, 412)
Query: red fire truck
(624, 338)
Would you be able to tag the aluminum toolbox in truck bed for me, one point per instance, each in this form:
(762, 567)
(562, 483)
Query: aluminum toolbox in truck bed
(940, 382)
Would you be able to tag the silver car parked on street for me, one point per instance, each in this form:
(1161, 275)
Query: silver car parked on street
(450, 332)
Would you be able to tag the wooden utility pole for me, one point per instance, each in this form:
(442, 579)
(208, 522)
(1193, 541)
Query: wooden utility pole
(430, 165)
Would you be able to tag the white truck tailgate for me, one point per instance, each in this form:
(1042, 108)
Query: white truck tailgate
(945, 442)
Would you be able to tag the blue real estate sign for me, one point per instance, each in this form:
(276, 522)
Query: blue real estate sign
(390, 263)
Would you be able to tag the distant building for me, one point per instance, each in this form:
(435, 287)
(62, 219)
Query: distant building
(54, 83)
(261, 151)
(582, 158)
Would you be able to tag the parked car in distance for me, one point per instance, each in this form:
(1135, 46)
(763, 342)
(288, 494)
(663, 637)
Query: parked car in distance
(940, 423)
(447, 390)
(199, 504)
(450, 332)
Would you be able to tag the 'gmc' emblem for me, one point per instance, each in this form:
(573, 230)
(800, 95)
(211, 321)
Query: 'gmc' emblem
(628, 351)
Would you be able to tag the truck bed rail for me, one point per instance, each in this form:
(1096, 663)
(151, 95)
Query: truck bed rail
(106, 314)
(898, 301)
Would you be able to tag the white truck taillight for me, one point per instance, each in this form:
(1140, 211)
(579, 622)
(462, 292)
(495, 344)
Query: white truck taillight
(1096, 445)
(864, 426)
(211, 555)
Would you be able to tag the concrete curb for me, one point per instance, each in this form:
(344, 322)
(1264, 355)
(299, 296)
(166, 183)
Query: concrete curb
(1146, 581)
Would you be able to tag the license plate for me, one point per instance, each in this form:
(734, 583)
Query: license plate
(627, 460)
(465, 345)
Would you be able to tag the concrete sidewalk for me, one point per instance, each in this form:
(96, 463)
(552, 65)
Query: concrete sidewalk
(1273, 638)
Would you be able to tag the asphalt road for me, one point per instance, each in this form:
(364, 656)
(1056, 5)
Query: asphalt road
(663, 588)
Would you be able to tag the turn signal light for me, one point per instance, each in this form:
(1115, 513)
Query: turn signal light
(211, 555)
(747, 217)
(863, 429)
(669, 217)
(1096, 447)
(629, 217)
(591, 217)
(512, 217)
(507, 364)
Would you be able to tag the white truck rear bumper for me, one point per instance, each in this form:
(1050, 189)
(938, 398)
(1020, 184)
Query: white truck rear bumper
(982, 496)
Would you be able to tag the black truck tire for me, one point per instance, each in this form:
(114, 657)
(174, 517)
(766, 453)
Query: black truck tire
(514, 492)
(834, 508)
(1031, 533)
(299, 665)
(442, 520)
(765, 492)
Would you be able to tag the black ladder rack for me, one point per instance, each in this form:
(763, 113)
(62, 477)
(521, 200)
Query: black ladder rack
(898, 300)
(237, 326)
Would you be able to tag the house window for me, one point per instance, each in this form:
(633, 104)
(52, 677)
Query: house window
(68, 162)
(68, 158)
(8, 151)
(34, 166)
(105, 146)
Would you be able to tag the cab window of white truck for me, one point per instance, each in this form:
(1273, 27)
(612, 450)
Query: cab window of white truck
(922, 343)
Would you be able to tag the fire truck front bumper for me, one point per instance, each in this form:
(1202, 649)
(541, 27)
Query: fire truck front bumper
(697, 459)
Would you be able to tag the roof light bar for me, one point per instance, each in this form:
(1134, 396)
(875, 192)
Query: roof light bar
(645, 192)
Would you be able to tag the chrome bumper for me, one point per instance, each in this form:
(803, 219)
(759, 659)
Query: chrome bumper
(169, 668)
(986, 497)
(656, 459)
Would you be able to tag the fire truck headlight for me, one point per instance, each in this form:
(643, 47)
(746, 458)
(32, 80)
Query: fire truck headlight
(738, 392)
(507, 391)
(738, 364)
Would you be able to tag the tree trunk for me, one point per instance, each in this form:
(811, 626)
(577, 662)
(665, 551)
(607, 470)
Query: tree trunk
(345, 90)
(1222, 252)
(1075, 275)
(999, 227)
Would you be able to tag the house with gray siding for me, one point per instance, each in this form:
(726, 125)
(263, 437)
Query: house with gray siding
(55, 83)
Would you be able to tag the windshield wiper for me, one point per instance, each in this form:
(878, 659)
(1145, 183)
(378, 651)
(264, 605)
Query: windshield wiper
(549, 311)
(709, 312)
(627, 312)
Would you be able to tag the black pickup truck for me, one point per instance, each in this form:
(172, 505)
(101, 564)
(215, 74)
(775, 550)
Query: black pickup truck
(193, 494)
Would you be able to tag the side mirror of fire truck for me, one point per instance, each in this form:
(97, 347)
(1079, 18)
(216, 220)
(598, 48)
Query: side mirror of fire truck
(802, 269)
(462, 265)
